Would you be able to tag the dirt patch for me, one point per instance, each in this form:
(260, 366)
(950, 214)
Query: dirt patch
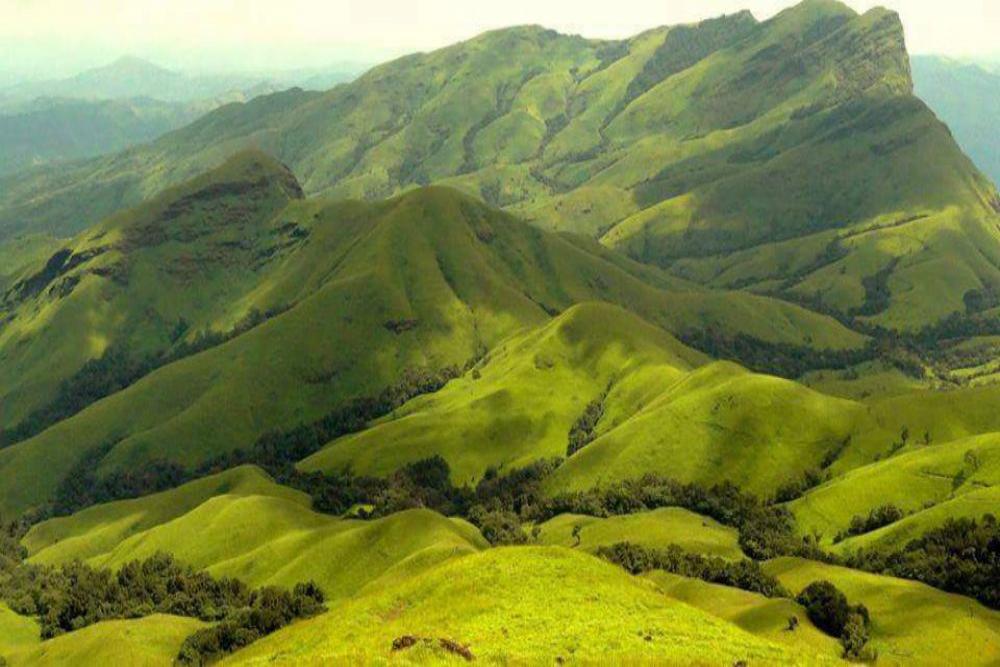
(405, 642)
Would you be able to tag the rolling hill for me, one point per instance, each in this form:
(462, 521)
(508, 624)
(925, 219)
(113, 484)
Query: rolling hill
(509, 604)
(304, 304)
(912, 624)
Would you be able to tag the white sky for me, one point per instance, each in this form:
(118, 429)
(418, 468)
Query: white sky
(63, 36)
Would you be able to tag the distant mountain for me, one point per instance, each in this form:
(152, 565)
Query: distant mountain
(128, 102)
(51, 130)
(966, 97)
(130, 77)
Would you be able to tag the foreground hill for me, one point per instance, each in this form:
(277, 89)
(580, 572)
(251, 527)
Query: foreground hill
(511, 605)
(787, 156)
(257, 531)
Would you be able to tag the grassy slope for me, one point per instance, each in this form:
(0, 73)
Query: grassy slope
(657, 528)
(97, 530)
(16, 632)
(193, 253)
(758, 141)
(146, 642)
(516, 407)
(523, 605)
(17, 254)
(719, 422)
(764, 617)
(912, 624)
(911, 480)
(469, 276)
(853, 156)
(241, 524)
(971, 505)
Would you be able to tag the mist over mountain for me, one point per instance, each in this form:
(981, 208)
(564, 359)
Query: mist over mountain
(966, 96)
(132, 77)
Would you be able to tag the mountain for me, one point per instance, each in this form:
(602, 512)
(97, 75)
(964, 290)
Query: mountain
(63, 129)
(128, 102)
(787, 157)
(967, 97)
(130, 77)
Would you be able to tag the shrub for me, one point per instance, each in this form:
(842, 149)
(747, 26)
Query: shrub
(745, 574)
(826, 606)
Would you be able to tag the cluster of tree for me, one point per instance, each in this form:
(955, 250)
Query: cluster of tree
(744, 574)
(12, 552)
(112, 371)
(782, 359)
(879, 517)
(76, 595)
(276, 452)
(269, 610)
(83, 487)
(117, 368)
(765, 530)
(795, 489)
(962, 556)
(582, 432)
(829, 610)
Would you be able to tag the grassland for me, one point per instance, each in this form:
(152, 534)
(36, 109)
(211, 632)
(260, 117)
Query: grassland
(655, 529)
(912, 624)
(151, 641)
(926, 476)
(242, 525)
(764, 617)
(461, 276)
(523, 606)
(16, 632)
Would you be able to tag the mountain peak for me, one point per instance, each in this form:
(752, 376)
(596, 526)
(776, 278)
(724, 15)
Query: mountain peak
(131, 66)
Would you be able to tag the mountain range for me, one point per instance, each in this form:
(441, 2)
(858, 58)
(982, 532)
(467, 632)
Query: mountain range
(679, 349)
(128, 102)
(967, 97)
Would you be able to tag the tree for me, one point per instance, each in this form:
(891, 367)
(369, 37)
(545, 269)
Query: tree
(826, 607)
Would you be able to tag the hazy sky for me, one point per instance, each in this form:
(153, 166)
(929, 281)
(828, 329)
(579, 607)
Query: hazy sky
(63, 36)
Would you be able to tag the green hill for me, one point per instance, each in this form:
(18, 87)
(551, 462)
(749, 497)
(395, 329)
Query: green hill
(255, 530)
(57, 130)
(515, 407)
(787, 156)
(16, 632)
(912, 481)
(147, 642)
(656, 413)
(424, 282)
(655, 529)
(97, 530)
(912, 624)
(718, 422)
(523, 606)
(765, 617)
